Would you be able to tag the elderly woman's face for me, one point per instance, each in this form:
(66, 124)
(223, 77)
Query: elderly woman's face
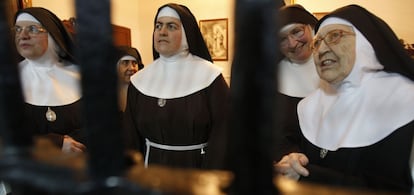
(167, 35)
(126, 68)
(334, 52)
(30, 39)
(295, 42)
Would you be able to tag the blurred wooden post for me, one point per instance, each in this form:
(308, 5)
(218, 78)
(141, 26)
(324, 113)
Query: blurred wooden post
(253, 93)
(94, 37)
(11, 98)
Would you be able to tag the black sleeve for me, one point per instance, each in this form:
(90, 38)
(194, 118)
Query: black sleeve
(328, 176)
(218, 95)
(131, 136)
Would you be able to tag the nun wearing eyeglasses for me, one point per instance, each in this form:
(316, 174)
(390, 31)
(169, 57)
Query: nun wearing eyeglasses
(358, 131)
(177, 105)
(297, 76)
(50, 78)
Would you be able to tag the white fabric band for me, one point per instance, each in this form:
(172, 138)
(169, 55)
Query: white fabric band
(334, 20)
(128, 57)
(168, 12)
(284, 28)
(26, 17)
(148, 143)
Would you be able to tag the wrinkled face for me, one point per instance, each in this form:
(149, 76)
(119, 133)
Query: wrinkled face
(126, 68)
(30, 39)
(167, 35)
(295, 42)
(334, 52)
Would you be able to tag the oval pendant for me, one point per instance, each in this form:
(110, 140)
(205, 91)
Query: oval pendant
(323, 153)
(50, 115)
(161, 102)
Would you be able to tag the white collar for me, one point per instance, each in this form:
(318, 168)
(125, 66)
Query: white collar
(53, 85)
(175, 77)
(357, 116)
(297, 80)
(48, 82)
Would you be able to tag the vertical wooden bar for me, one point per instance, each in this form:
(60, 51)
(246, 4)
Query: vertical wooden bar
(94, 37)
(11, 98)
(253, 93)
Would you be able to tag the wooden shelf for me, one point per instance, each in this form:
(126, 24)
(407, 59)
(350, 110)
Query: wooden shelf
(121, 35)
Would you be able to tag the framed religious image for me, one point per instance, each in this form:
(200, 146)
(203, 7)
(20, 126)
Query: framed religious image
(319, 15)
(26, 3)
(289, 2)
(13, 6)
(215, 34)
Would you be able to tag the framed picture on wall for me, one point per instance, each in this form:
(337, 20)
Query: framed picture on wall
(215, 34)
(319, 15)
(15, 5)
(289, 2)
(25, 3)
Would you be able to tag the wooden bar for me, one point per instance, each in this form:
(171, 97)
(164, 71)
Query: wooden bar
(94, 37)
(11, 96)
(253, 92)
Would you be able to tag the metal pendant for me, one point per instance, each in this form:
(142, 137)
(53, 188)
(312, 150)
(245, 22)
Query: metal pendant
(323, 153)
(50, 115)
(161, 102)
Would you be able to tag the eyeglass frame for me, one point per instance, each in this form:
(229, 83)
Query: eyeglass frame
(292, 35)
(335, 41)
(31, 30)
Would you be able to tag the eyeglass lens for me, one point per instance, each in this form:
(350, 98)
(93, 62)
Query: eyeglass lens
(31, 29)
(295, 34)
(332, 37)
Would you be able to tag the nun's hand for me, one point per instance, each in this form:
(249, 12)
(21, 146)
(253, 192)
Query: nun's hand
(292, 166)
(71, 145)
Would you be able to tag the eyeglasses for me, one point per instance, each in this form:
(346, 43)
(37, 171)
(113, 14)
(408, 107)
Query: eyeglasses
(296, 33)
(331, 38)
(31, 29)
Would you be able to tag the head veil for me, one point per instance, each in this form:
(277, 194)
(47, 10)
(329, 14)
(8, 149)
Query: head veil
(374, 100)
(388, 48)
(55, 28)
(196, 44)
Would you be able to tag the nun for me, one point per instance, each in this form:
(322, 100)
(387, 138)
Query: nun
(50, 78)
(128, 63)
(177, 106)
(296, 73)
(358, 131)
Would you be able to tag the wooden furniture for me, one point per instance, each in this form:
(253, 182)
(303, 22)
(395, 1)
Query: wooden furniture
(121, 34)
